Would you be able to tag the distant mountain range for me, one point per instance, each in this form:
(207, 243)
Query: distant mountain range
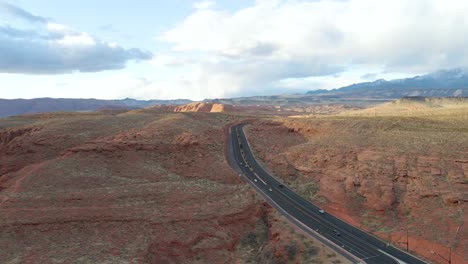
(40, 105)
(444, 83)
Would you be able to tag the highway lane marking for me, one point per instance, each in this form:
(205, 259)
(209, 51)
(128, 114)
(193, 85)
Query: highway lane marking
(250, 168)
(259, 178)
(396, 259)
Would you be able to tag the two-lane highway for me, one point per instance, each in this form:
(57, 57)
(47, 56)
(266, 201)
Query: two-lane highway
(353, 243)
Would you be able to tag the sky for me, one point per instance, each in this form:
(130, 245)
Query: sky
(155, 49)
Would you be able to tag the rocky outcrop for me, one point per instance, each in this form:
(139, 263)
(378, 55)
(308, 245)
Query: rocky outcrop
(204, 107)
(186, 139)
(8, 135)
(194, 107)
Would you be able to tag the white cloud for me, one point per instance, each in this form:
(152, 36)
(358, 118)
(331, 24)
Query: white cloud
(166, 61)
(39, 46)
(286, 42)
(204, 4)
(82, 39)
(54, 27)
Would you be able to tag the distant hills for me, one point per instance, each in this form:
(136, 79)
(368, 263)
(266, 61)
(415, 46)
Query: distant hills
(444, 83)
(40, 105)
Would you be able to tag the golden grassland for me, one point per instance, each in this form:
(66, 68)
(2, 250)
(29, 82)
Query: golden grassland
(405, 125)
(451, 108)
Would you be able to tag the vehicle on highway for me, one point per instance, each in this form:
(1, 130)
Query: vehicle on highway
(270, 189)
(255, 180)
(321, 211)
(281, 186)
(337, 233)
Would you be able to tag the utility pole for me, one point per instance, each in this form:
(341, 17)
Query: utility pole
(407, 240)
(450, 256)
(449, 260)
(451, 245)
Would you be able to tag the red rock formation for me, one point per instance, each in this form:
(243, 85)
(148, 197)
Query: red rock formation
(204, 107)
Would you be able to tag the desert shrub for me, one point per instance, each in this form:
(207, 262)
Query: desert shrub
(291, 251)
(249, 240)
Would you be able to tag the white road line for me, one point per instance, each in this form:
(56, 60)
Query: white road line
(397, 260)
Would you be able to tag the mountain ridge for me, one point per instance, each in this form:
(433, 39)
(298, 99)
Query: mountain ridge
(12, 107)
(442, 83)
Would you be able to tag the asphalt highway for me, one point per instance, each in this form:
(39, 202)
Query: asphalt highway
(349, 241)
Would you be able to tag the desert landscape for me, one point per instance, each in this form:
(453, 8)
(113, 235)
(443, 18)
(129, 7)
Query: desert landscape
(153, 186)
(139, 186)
